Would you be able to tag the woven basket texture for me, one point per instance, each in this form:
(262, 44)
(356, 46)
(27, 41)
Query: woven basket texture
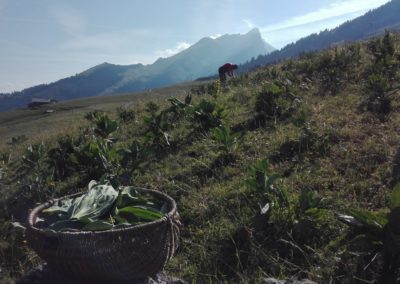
(118, 255)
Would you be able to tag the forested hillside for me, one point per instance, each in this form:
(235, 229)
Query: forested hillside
(373, 23)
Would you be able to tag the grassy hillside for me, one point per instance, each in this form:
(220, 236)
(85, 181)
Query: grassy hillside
(288, 171)
(51, 120)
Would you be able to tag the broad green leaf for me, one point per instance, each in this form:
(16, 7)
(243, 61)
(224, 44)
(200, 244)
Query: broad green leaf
(61, 207)
(128, 196)
(92, 184)
(394, 200)
(95, 203)
(87, 220)
(124, 207)
(370, 220)
(369, 239)
(119, 220)
(67, 225)
(349, 220)
(50, 218)
(264, 209)
(139, 213)
(317, 213)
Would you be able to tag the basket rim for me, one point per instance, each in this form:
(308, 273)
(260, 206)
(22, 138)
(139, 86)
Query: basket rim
(167, 216)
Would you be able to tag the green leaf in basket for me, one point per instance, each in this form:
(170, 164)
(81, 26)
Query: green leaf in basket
(119, 220)
(128, 196)
(98, 225)
(95, 203)
(125, 207)
(63, 206)
(134, 214)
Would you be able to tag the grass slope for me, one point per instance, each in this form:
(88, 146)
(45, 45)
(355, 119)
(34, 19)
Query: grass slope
(304, 140)
(39, 124)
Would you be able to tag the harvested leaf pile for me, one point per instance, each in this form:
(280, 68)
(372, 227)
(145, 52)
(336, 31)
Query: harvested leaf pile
(101, 208)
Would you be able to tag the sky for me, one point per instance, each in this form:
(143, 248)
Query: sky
(42, 41)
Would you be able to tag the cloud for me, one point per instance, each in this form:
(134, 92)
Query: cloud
(249, 23)
(180, 46)
(70, 20)
(328, 17)
(337, 9)
(215, 36)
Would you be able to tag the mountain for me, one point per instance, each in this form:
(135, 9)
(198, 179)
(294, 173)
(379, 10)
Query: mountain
(374, 22)
(199, 60)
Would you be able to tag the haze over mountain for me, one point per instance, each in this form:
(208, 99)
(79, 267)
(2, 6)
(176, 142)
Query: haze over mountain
(201, 59)
(374, 22)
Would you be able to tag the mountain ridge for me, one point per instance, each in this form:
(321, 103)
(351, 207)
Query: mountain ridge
(201, 59)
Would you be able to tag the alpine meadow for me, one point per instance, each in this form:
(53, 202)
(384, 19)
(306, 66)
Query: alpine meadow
(290, 170)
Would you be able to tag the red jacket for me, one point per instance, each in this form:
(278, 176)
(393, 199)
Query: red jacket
(227, 68)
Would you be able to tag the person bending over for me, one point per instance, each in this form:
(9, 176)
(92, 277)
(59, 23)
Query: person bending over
(226, 69)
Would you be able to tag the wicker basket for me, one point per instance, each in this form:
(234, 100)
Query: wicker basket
(118, 255)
